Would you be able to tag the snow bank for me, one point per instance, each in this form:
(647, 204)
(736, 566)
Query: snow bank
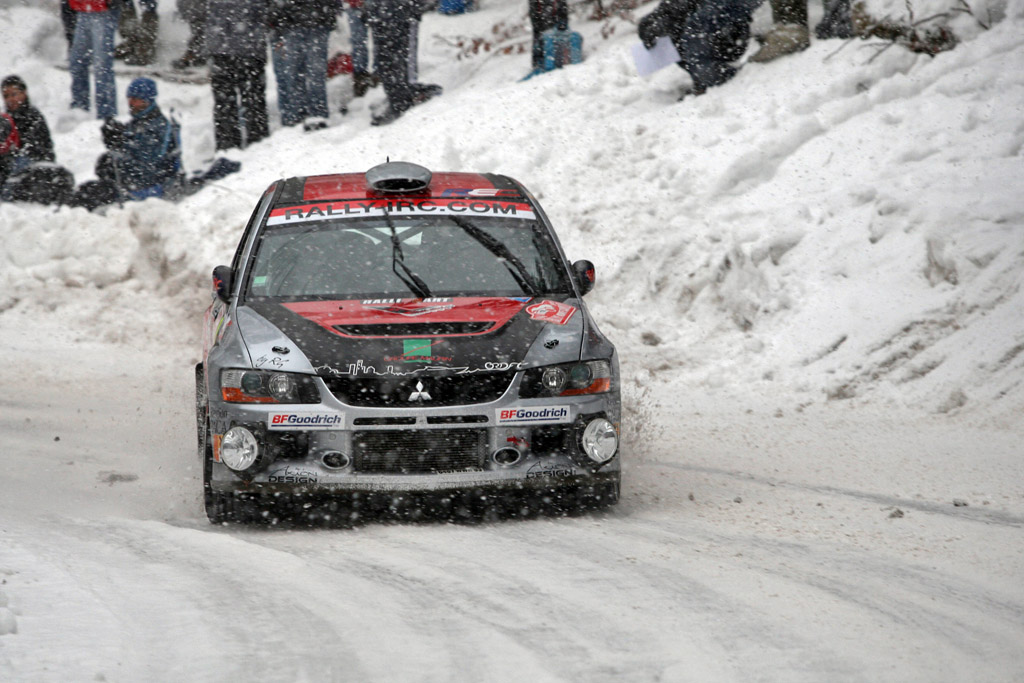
(837, 225)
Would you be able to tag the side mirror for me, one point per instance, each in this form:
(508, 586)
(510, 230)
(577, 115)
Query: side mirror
(223, 279)
(583, 270)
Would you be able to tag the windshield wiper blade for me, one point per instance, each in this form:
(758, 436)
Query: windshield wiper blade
(415, 284)
(515, 266)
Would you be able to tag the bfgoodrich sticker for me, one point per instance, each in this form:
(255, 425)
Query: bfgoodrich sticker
(305, 421)
(538, 415)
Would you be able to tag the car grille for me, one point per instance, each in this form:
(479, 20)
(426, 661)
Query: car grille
(419, 452)
(451, 390)
(413, 329)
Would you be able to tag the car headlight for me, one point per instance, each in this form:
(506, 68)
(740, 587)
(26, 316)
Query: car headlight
(569, 379)
(261, 386)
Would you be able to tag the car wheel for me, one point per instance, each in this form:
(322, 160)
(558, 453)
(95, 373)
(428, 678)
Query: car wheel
(201, 407)
(216, 503)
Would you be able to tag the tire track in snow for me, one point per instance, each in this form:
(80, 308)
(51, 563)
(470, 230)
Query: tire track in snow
(969, 513)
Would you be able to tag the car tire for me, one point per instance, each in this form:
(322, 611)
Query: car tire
(214, 502)
(217, 505)
(201, 407)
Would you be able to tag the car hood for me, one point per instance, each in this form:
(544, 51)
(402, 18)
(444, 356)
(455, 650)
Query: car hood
(373, 337)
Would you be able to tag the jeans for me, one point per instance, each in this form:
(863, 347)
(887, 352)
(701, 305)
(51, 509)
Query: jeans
(285, 104)
(360, 48)
(303, 76)
(93, 45)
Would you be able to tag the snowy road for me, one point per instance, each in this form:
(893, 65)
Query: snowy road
(764, 547)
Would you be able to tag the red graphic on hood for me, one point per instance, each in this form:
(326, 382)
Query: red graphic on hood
(551, 312)
(432, 317)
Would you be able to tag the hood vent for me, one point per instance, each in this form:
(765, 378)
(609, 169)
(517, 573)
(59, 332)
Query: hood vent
(438, 329)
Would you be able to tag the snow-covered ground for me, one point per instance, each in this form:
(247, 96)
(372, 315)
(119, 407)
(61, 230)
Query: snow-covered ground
(813, 275)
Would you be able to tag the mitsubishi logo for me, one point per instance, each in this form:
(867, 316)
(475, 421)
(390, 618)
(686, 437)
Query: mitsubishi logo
(420, 394)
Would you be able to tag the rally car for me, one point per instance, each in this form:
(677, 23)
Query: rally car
(399, 332)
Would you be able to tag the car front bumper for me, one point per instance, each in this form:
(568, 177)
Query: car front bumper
(417, 449)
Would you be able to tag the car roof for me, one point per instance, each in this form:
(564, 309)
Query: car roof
(349, 186)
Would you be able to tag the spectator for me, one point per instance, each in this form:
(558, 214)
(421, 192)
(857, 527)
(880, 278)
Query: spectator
(34, 174)
(302, 28)
(790, 31)
(708, 34)
(36, 143)
(139, 30)
(362, 78)
(144, 156)
(236, 43)
(392, 22)
(545, 15)
(93, 45)
(194, 14)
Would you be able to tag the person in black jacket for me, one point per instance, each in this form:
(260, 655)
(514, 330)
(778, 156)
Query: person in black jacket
(236, 43)
(302, 28)
(544, 15)
(34, 173)
(708, 35)
(36, 143)
(392, 22)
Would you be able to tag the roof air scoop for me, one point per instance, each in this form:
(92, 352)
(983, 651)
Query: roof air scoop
(398, 177)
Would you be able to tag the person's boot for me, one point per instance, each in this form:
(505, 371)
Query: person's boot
(194, 52)
(144, 52)
(361, 82)
(421, 92)
(385, 117)
(783, 39)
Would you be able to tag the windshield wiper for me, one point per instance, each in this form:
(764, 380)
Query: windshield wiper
(411, 280)
(515, 266)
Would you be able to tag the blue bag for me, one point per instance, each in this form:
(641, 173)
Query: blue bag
(561, 47)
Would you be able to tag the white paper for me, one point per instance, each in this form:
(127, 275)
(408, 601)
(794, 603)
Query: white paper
(661, 55)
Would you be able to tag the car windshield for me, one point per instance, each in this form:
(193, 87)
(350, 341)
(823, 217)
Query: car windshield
(403, 256)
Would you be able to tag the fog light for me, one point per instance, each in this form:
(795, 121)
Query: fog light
(506, 456)
(239, 449)
(599, 440)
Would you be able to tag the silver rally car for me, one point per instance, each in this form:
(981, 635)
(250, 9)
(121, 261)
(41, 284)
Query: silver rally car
(396, 334)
